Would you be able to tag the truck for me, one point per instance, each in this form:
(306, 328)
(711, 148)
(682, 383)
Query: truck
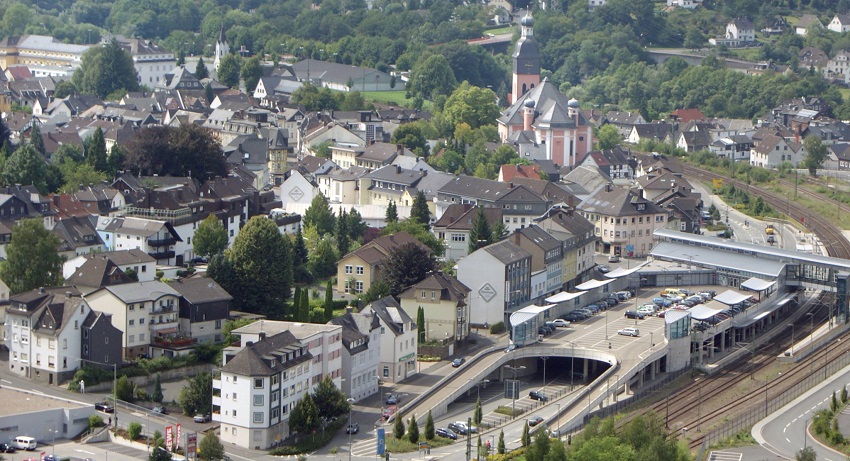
(769, 230)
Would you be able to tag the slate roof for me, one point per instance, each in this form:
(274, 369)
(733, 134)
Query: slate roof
(615, 201)
(124, 257)
(76, 232)
(141, 291)
(450, 288)
(460, 216)
(200, 290)
(396, 174)
(506, 252)
(540, 237)
(470, 186)
(623, 118)
(550, 105)
(97, 272)
(356, 326)
(808, 20)
(391, 313)
(254, 359)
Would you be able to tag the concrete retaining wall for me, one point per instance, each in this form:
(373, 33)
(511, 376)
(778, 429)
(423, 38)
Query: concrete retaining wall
(167, 375)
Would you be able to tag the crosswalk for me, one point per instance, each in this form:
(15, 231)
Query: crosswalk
(725, 456)
(123, 449)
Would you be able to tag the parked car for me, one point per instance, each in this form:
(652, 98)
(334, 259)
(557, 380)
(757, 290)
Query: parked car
(510, 348)
(603, 268)
(160, 410)
(458, 362)
(392, 399)
(535, 421)
(573, 317)
(447, 433)
(612, 301)
(50, 458)
(585, 311)
(634, 315)
(104, 407)
(613, 259)
(6, 448)
(202, 418)
(352, 428)
(629, 331)
(538, 395)
(625, 295)
(593, 308)
(646, 311)
(459, 427)
(561, 323)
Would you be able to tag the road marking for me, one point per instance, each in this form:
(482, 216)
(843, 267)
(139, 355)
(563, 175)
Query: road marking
(237, 456)
(6, 381)
(83, 451)
(786, 439)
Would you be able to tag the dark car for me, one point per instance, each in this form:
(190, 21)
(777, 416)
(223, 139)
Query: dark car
(6, 448)
(50, 458)
(603, 268)
(104, 407)
(572, 317)
(392, 399)
(458, 362)
(535, 421)
(160, 410)
(634, 315)
(447, 433)
(352, 428)
(458, 429)
(537, 395)
(199, 260)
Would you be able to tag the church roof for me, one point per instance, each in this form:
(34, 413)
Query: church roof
(550, 106)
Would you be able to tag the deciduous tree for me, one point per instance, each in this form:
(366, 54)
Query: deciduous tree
(608, 137)
(323, 260)
(407, 265)
(432, 77)
(196, 397)
(330, 401)
(105, 70)
(262, 265)
(210, 447)
(471, 105)
(229, 70)
(32, 260)
(187, 150)
(251, 73)
(305, 416)
(816, 154)
(210, 237)
(37, 140)
(26, 166)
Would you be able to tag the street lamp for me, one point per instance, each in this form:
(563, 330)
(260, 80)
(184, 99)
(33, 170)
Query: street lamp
(792, 338)
(53, 431)
(514, 390)
(114, 386)
(558, 422)
(572, 363)
(350, 409)
(811, 316)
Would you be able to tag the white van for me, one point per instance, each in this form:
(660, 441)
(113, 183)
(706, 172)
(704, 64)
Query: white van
(23, 442)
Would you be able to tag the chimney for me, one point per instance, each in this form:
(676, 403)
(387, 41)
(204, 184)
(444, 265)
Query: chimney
(68, 294)
(349, 309)
(511, 185)
(398, 169)
(399, 148)
(516, 236)
(609, 187)
(41, 290)
(262, 335)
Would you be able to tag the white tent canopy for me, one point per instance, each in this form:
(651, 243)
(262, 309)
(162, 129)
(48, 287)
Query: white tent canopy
(703, 311)
(563, 296)
(621, 272)
(731, 297)
(757, 284)
(591, 284)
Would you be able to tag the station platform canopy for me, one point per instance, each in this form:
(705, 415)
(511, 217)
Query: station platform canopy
(674, 314)
(731, 297)
(704, 311)
(757, 284)
(591, 284)
(527, 313)
(563, 296)
(621, 272)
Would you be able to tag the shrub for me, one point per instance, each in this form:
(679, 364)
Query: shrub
(497, 328)
(95, 421)
(311, 442)
(134, 430)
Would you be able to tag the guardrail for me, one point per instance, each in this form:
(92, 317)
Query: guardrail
(139, 409)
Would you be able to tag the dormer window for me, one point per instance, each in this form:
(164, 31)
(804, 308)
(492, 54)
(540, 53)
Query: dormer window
(641, 206)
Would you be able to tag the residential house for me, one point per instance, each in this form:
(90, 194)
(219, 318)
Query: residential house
(806, 23)
(101, 341)
(838, 64)
(358, 270)
(623, 121)
(736, 147)
(154, 237)
(687, 4)
(372, 156)
(773, 150)
(145, 311)
(328, 133)
(399, 340)
(96, 272)
(508, 172)
(342, 185)
(810, 57)
(135, 260)
(676, 195)
(685, 116)
(445, 303)
(578, 239)
(613, 162)
(77, 236)
(204, 307)
(519, 204)
(840, 23)
(299, 187)
(454, 226)
(656, 131)
(841, 152)
(546, 260)
(151, 61)
(624, 221)
(693, 141)
(388, 184)
(342, 77)
(500, 277)
(361, 353)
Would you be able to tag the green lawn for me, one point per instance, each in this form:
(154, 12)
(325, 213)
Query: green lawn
(845, 93)
(501, 30)
(396, 98)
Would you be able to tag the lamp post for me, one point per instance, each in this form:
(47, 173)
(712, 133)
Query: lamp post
(514, 389)
(53, 431)
(558, 423)
(544, 359)
(811, 316)
(350, 409)
(792, 338)
(114, 385)
(572, 363)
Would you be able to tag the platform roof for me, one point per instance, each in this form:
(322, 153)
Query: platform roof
(620, 272)
(718, 258)
(674, 314)
(702, 312)
(757, 284)
(564, 296)
(591, 284)
(731, 297)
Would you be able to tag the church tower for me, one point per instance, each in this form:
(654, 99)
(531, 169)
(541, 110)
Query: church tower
(221, 48)
(526, 59)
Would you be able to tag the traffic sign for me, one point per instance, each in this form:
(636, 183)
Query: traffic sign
(382, 441)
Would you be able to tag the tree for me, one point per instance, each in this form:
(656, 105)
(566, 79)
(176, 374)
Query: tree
(398, 428)
(210, 237)
(132, 274)
(299, 249)
(196, 396)
(304, 308)
(159, 453)
(115, 162)
(478, 414)
(480, 235)
(181, 58)
(356, 226)
(816, 154)
(262, 265)
(329, 400)
(392, 213)
(429, 427)
(210, 447)
(540, 447)
(187, 150)
(31, 258)
(501, 444)
(156, 396)
(411, 136)
(229, 69)
(134, 430)
(201, 70)
(343, 240)
(419, 212)
(96, 151)
(79, 174)
(806, 454)
(319, 215)
(432, 77)
(329, 301)
(208, 93)
(407, 265)
(608, 137)
(471, 105)
(323, 260)
(413, 430)
(105, 70)
(557, 452)
(124, 389)
(844, 394)
(36, 140)
(526, 437)
(694, 38)
(26, 166)
(64, 88)
(251, 73)
(420, 324)
(419, 231)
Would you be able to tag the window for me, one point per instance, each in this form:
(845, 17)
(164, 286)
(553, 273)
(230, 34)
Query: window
(458, 237)
(141, 337)
(348, 269)
(218, 324)
(131, 322)
(386, 372)
(234, 395)
(142, 321)
(358, 286)
(258, 383)
(258, 400)
(359, 270)
(234, 415)
(64, 343)
(131, 339)
(258, 417)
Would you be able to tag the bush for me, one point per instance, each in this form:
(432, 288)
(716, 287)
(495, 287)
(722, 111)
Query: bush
(519, 452)
(313, 442)
(95, 421)
(497, 328)
(134, 430)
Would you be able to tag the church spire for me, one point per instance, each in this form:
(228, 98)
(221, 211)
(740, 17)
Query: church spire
(526, 60)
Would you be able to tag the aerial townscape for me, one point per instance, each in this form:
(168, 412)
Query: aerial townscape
(501, 230)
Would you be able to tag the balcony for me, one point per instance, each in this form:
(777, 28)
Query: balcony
(173, 341)
(162, 242)
(161, 309)
(162, 254)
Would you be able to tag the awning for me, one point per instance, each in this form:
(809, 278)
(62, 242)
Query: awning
(703, 312)
(757, 284)
(518, 317)
(620, 272)
(674, 315)
(731, 297)
(591, 284)
(563, 296)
